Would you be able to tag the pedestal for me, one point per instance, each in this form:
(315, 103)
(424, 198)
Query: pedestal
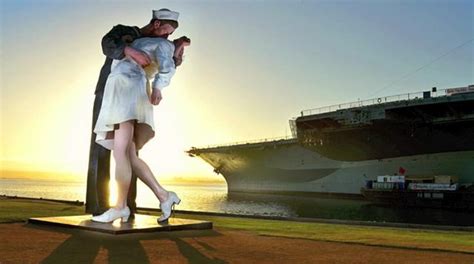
(140, 224)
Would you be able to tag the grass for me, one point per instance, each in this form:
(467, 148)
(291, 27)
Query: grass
(458, 241)
(12, 210)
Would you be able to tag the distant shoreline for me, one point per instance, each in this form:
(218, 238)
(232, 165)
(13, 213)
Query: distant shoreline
(175, 182)
(81, 177)
(42, 179)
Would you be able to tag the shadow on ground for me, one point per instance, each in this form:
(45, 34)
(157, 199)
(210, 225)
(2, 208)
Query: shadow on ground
(84, 246)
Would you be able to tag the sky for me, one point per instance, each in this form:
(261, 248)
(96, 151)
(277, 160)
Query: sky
(252, 66)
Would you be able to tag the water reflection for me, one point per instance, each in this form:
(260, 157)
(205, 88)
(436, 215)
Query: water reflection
(330, 208)
(215, 198)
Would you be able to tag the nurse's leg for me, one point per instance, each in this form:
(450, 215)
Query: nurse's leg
(123, 170)
(144, 173)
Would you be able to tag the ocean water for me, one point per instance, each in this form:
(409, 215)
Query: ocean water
(215, 198)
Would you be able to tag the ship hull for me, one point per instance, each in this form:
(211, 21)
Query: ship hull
(288, 167)
(336, 150)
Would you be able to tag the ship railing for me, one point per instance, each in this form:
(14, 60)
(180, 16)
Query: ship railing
(375, 101)
(247, 142)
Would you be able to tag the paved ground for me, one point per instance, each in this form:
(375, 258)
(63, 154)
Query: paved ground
(28, 243)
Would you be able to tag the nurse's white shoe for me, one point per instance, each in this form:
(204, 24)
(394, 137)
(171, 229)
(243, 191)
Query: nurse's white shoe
(112, 214)
(167, 206)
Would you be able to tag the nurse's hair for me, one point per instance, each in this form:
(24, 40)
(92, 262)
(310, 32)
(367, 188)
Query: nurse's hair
(178, 58)
(180, 40)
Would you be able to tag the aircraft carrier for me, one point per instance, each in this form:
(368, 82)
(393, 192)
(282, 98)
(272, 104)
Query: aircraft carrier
(335, 150)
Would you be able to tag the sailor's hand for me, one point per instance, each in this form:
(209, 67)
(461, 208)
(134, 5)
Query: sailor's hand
(155, 97)
(138, 56)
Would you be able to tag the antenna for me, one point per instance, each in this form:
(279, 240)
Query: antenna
(420, 68)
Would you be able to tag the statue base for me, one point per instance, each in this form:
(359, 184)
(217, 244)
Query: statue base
(140, 224)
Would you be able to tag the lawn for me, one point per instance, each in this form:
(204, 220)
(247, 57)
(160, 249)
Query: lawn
(17, 210)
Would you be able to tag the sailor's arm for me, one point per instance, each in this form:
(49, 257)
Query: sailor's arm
(115, 45)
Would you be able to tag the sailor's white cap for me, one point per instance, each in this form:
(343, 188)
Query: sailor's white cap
(165, 14)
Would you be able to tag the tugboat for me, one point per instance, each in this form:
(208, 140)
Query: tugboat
(439, 191)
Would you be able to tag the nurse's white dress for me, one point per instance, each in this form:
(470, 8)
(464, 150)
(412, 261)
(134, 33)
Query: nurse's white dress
(127, 91)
